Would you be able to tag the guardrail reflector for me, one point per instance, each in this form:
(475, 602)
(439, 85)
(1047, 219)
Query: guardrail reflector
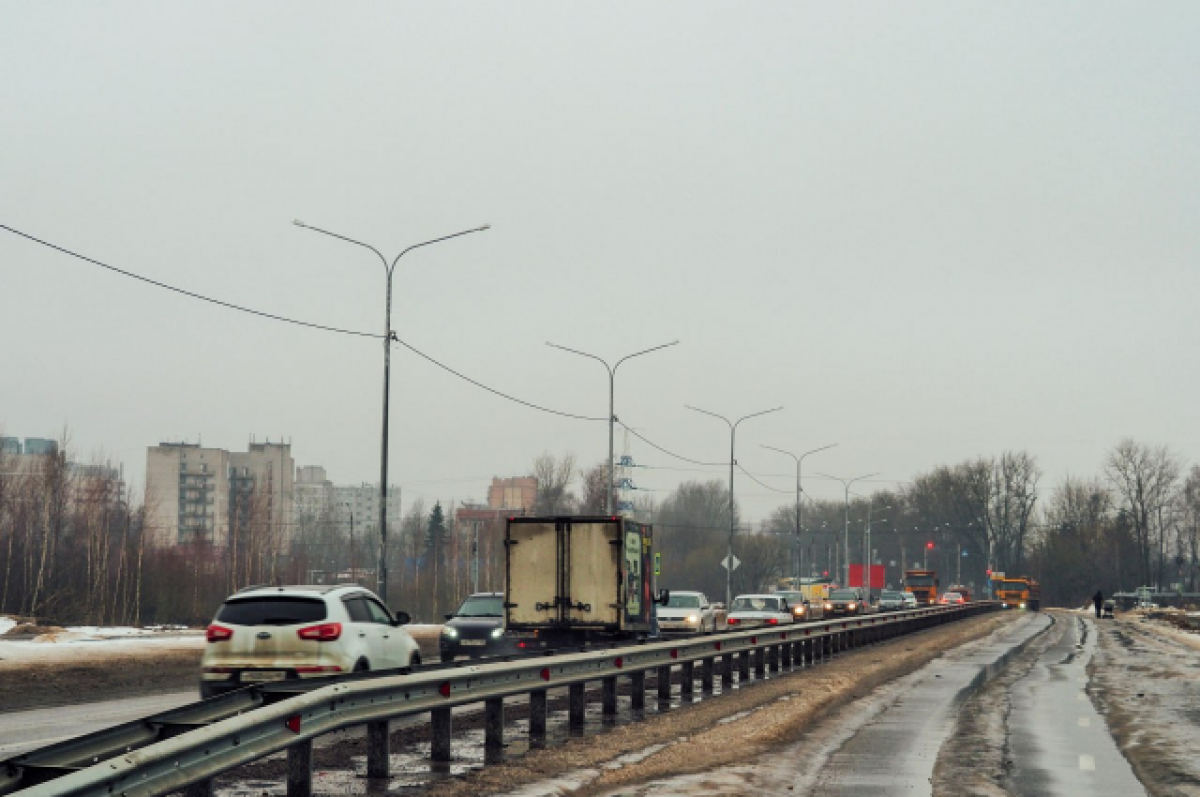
(619, 662)
(293, 723)
(674, 653)
(717, 645)
(545, 673)
(445, 689)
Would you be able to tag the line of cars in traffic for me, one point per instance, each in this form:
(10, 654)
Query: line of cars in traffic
(264, 634)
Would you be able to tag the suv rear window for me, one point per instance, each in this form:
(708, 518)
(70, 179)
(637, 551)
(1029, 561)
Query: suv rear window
(272, 611)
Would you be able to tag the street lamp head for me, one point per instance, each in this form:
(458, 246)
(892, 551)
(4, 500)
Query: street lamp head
(299, 223)
(484, 227)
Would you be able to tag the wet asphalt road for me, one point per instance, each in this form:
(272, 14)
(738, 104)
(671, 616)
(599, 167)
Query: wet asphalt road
(1060, 743)
(1054, 741)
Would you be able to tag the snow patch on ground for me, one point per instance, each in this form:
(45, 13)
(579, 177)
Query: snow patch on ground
(91, 642)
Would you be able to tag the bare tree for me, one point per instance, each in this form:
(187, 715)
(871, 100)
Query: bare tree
(1144, 478)
(595, 488)
(554, 476)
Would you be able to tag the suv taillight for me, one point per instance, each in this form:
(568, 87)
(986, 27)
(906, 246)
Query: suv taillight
(218, 633)
(325, 632)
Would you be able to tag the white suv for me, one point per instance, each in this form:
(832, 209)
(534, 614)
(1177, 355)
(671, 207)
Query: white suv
(276, 633)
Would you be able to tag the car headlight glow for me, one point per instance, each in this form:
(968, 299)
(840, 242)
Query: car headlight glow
(693, 618)
(1022, 606)
(497, 633)
(450, 633)
(851, 607)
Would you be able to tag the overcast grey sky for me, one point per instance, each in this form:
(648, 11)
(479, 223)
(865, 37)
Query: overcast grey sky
(931, 231)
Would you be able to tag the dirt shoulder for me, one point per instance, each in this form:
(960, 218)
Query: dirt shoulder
(730, 729)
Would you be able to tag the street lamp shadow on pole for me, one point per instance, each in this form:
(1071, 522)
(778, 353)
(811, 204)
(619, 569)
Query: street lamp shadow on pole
(612, 415)
(388, 336)
(846, 532)
(733, 425)
(799, 499)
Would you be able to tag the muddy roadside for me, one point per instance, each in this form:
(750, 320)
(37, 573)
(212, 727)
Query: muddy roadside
(1145, 680)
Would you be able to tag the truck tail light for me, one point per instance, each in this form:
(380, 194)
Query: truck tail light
(772, 621)
(218, 633)
(733, 621)
(325, 632)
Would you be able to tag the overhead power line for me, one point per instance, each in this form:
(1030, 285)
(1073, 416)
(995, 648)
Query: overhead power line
(286, 320)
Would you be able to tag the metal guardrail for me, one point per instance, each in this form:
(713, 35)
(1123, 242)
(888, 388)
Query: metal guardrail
(185, 749)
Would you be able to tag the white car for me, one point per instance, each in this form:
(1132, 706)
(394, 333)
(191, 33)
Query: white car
(756, 611)
(910, 600)
(277, 633)
(687, 611)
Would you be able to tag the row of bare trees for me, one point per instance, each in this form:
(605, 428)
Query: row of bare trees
(74, 549)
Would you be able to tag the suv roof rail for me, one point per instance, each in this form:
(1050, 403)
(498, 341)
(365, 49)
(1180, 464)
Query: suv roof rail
(252, 586)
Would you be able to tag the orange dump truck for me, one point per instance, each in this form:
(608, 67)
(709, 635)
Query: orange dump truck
(923, 584)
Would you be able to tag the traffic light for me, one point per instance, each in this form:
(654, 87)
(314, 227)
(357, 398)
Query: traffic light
(989, 572)
(929, 545)
(826, 574)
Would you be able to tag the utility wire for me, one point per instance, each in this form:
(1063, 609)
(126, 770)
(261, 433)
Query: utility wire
(425, 356)
(284, 319)
(652, 444)
(756, 481)
(193, 295)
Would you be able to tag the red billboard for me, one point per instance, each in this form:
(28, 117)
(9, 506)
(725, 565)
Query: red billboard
(877, 576)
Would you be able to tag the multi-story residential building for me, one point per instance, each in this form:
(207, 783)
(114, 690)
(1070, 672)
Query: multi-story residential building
(94, 482)
(516, 493)
(196, 494)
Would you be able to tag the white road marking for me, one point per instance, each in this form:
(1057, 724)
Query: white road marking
(1085, 722)
(1087, 763)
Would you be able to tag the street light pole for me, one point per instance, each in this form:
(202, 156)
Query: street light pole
(799, 502)
(612, 415)
(388, 336)
(353, 562)
(846, 534)
(869, 559)
(732, 436)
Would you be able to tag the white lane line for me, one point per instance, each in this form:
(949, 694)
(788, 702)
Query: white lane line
(1085, 722)
(1087, 763)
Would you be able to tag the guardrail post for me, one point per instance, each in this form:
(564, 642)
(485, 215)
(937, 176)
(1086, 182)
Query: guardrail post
(664, 684)
(706, 676)
(378, 750)
(773, 657)
(687, 680)
(809, 649)
(726, 671)
(537, 717)
(299, 769)
(744, 665)
(493, 730)
(439, 729)
(609, 701)
(637, 690)
(202, 789)
(577, 706)
(785, 655)
(760, 663)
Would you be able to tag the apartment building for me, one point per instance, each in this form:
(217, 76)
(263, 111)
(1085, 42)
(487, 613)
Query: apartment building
(202, 495)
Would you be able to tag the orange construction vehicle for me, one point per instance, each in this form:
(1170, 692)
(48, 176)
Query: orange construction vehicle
(961, 589)
(923, 584)
(1017, 592)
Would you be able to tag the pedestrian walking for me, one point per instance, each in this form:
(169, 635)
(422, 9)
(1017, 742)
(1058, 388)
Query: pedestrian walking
(1098, 599)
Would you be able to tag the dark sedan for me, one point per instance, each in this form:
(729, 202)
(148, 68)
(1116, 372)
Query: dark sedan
(475, 629)
(844, 603)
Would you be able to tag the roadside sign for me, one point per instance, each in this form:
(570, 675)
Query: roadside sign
(657, 564)
(725, 563)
